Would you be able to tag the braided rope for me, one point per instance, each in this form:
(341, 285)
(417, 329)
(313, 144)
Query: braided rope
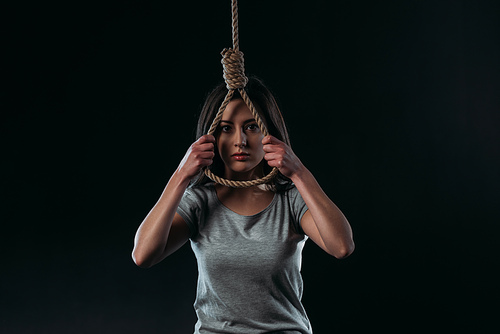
(233, 69)
(234, 15)
(234, 76)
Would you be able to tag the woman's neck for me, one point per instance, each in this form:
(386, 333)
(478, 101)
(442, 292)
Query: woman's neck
(253, 174)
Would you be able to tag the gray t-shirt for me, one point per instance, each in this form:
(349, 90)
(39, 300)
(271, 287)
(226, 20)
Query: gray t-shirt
(249, 277)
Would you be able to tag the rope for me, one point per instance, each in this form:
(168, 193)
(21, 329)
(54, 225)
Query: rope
(234, 14)
(234, 76)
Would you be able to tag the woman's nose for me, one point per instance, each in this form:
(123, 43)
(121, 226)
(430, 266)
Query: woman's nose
(240, 139)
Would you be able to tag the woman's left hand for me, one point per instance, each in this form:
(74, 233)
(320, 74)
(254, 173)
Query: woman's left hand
(280, 155)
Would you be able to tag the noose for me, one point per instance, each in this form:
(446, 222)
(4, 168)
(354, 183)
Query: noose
(234, 76)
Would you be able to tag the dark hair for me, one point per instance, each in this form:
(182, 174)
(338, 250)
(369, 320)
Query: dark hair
(268, 110)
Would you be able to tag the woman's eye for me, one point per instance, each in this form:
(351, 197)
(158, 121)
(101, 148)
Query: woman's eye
(252, 127)
(225, 128)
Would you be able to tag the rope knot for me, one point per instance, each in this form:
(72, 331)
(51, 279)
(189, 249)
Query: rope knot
(233, 69)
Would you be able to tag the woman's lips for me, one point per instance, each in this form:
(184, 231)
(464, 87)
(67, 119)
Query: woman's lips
(240, 156)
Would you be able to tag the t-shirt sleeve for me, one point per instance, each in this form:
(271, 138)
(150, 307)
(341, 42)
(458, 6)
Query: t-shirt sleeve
(298, 207)
(190, 209)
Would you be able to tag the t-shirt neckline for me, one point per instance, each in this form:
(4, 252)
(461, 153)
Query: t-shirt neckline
(217, 200)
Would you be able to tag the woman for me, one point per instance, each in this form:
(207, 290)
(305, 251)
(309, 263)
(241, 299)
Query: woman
(247, 241)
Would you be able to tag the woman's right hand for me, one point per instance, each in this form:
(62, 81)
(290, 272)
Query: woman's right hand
(199, 155)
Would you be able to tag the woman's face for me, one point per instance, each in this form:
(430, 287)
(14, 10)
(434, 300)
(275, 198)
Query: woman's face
(239, 142)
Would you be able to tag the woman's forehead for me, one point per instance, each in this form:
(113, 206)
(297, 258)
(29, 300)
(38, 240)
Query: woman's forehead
(237, 109)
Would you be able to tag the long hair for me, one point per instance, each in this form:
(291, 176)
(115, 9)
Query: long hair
(268, 110)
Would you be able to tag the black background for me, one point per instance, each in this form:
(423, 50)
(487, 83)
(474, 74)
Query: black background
(393, 105)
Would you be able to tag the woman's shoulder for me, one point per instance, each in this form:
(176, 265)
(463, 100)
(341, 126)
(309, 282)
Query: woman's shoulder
(291, 195)
(286, 189)
(196, 196)
(200, 189)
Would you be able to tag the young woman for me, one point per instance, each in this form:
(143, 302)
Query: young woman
(247, 241)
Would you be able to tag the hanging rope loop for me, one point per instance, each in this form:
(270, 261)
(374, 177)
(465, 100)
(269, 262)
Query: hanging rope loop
(235, 78)
(233, 69)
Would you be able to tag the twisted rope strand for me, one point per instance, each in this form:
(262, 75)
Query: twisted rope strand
(233, 69)
(236, 37)
(255, 114)
(218, 117)
(241, 184)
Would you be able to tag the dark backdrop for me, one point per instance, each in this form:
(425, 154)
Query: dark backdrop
(393, 105)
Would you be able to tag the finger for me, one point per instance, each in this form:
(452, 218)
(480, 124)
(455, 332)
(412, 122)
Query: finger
(272, 156)
(202, 155)
(206, 147)
(276, 150)
(268, 140)
(205, 155)
(270, 148)
(204, 163)
(206, 139)
(275, 163)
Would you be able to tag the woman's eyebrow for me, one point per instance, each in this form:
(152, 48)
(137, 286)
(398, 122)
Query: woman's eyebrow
(245, 122)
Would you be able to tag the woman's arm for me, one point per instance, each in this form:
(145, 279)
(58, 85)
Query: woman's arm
(163, 231)
(324, 223)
